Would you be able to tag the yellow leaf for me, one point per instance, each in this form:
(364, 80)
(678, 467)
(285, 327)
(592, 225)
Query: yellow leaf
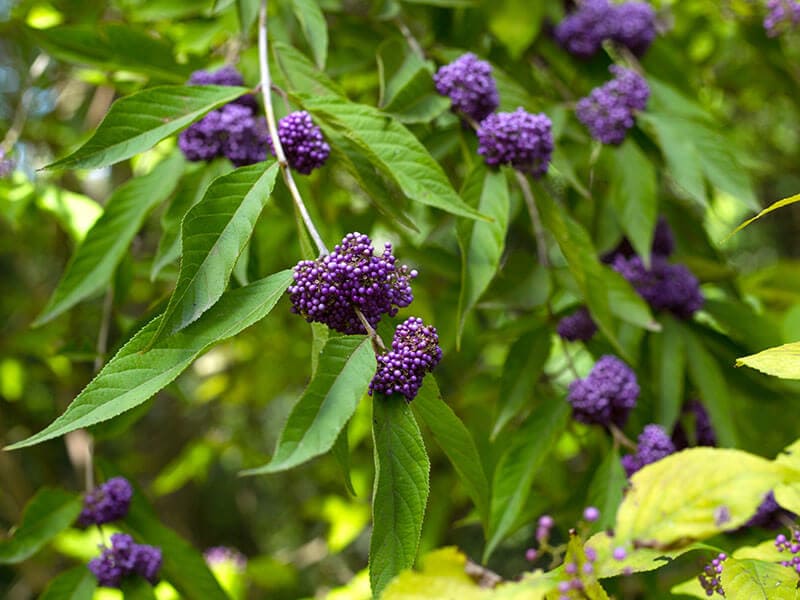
(780, 361)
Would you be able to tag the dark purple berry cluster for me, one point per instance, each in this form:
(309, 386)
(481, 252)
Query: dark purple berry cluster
(125, 558)
(663, 244)
(782, 15)
(608, 111)
(665, 286)
(792, 546)
(607, 395)
(520, 139)
(710, 576)
(415, 351)
(469, 84)
(704, 434)
(578, 326)
(631, 24)
(233, 131)
(302, 141)
(329, 289)
(653, 445)
(769, 514)
(106, 503)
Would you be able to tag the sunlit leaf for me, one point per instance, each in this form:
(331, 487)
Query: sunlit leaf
(750, 579)
(781, 361)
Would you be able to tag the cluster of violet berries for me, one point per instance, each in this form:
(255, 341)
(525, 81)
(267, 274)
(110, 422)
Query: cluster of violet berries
(770, 514)
(577, 326)
(791, 545)
(782, 15)
(519, 139)
(630, 24)
(608, 111)
(607, 395)
(710, 576)
(110, 502)
(652, 445)
(333, 287)
(302, 142)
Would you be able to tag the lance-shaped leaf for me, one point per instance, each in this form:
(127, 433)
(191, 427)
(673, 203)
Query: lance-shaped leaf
(693, 495)
(605, 491)
(400, 492)
(133, 375)
(213, 235)
(48, 513)
(780, 361)
(518, 466)
(138, 122)
(481, 243)
(301, 73)
(393, 149)
(76, 584)
(93, 264)
(315, 29)
(346, 366)
(750, 579)
(136, 588)
(456, 441)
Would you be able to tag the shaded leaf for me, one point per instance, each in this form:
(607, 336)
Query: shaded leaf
(516, 23)
(302, 74)
(669, 367)
(46, 515)
(133, 376)
(246, 11)
(346, 366)
(605, 491)
(93, 264)
(400, 491)
(213, 235)
(315, 29)
(76, 584)
(456, 441)
(136, 588)
(139, 121)
(341, 451)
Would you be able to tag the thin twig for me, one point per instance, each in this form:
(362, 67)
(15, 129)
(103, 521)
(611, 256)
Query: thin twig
(412, 41)
(538, 230)
(263, 60)
(377, 341)
(620, 437)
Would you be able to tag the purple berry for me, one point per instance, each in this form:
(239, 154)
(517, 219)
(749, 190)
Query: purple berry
(531, 554)
(606, 395)
(125, 558)
(578, 326)
(468, 83)
(710, 578)
(619, 553)
(415, 351)
(106, 503)
(519, 139)
(635, 26)
(591, 514)
(608, 111)
(653, 445)
(302, 141)
(782, 15)
(329, 289)
(591, 554)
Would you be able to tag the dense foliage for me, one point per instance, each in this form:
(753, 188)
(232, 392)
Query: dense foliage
(513, 373)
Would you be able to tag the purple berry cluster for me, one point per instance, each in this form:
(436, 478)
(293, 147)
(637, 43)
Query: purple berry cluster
(234, 130)
(782, 15)
(222, 555)
(607, 395)
(302, 141)
(329, 289)
(520, 139)
(704, 434)
(415, 351)
(469, 84)
(792, 546)
(665, 286)
(578, 326)
(653, 445)
(663, 244)
(608, 111)
(630, 24)
(710, 576)
(106, 503)
(125, 558)
(769, 514)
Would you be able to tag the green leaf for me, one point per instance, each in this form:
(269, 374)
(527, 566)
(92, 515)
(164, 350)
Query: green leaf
(190, 191)
(481, 242)
(669, 368)
(113, 46)
(138, 122)
(456, 441)
(751, 579)
(605, 491)
(448, 3)
(516, 23)
(182, 565)
(693, 495)
(302, 74)
(625, 303)
(705, 373)
(76, 584)
(213, 235)
(346, 366)
(133, 376)
(780, 361)
(400, 492)
(380, 137)
(633, 195)
(341, 452)
(93, 264)
(136, 588)
(46, 515)
(769, 209)
(518, 466)
(246, 11)
(521, 371)
(409, 93)
(314, 27)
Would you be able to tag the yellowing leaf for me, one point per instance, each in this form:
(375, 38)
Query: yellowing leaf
(750, 579)
(442, 576)
(780, 361)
